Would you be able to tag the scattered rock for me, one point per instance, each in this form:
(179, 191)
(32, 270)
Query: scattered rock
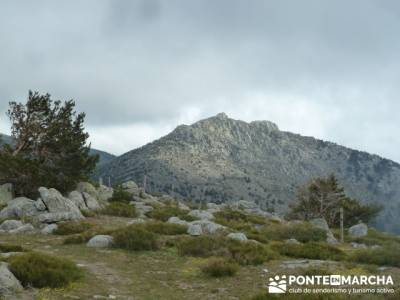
(19, 207)
(129, 185)
(49, 229)
(359, 246)
(8, 283)
(176, 220)
(142, 208)
(195, 229)
(207, 227)
(78, 200)
(322, 224)
(201, 214)
(358, 230)
(136, 221)
(90, 201)
(376, 246)
(86, 187)
(292, 241)
(62, 208)
(11, 225)
(304, 263)
(244, 204)
(239, 236)
(100, 241)
(26, 228)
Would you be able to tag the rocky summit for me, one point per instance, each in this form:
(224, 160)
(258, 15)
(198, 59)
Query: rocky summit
(220, 159)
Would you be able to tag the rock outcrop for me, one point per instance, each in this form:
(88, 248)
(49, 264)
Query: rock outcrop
(358, 230)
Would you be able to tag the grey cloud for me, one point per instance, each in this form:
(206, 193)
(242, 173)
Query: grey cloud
(147, 62)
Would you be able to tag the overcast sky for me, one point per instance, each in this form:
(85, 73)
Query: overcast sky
(329, 69)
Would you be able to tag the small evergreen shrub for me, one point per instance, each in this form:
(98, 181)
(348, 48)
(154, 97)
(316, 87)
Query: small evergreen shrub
(120, 195)
(220, 267)
(202, 246)
(388, 255)
(163, 213)
(303, 232)
(41, 270)
(88, 213)
(79, 238)
(73, 227)
(135, 238)
(250, 253)
(165, 228)
(119, 209)
(5, 247)
(311, 250)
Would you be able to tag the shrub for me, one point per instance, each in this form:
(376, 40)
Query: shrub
(303, 232)
(88, 213)
(250, 253)
(229, 215)
(163, 213)
(4, 247)
(42, 270)
(72, 228)
(136, 238)
(120, 195)
(119, 209)
(220, 267)
(386, 255)
(312, 250)
(165, 228)
(375, 237)
(202, 246)
(79, 239)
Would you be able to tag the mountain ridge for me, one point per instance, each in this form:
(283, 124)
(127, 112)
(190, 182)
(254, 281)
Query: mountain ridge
(221, 159)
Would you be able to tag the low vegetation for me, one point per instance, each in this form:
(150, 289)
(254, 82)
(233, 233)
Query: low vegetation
(5, 247)
(220, 267)
(388, 255)
(41, 270)
(135, 238)
(163, 213)
(67, 228)
(303, 232)
(311, 250)
(120, 195)
(250, 253)
(119, 209)
(165, 228)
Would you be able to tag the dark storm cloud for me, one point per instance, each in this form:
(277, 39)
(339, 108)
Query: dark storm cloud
(323, 68)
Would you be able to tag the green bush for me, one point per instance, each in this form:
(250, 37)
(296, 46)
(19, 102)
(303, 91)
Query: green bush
(250, 253)
(119, 209)
(136, 238)
(233, 218)
(386, 255)
(72, 227)
(220, 267)
(42, 270)
(165, 228)
(120, 195)
(88, 213)
(311, 250)
(5, 247)
(202, 246)
(303, 232)
(163, 213)
(79, 238)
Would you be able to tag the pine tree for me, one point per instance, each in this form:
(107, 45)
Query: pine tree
(50, 146)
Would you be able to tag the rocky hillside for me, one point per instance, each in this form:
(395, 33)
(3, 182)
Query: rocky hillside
(220, 159)
(104, 157)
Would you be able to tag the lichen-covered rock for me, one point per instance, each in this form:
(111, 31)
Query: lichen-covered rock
(58, 217)
(136, 221)
(91, 202)
(358, 230)
(100, 241)
(239, 236)
(292, 241)
(19, 207)
(87, 188)
(8, 283)
(49, 228)
(142, 208)
(201, 214)
(10, 225)
(58, 205)
(77, 198)
(129, 185)
(195, 229)
(176, 220)
(207, 227)
(322, 224)
(25, 228)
